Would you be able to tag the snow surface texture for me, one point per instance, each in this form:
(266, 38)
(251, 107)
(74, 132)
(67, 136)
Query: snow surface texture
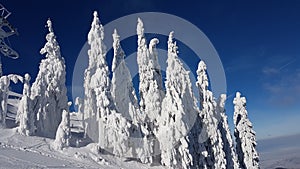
(49, 92)
(165, 128)
(245, 135)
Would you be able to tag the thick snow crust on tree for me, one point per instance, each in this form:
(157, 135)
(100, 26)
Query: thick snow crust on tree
(122, 89)
(104, 124)
(96, 77)
(150, 90)
(245, 135)
(49, 92)
(63, 132)
(178, 112)
(165, 127)
(231, 157)
(25, 116)
(211, 138)
(150, 86)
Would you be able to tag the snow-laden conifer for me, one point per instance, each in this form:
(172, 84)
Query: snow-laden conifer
(245, 135)
(211, 137)
(231, 157)
(150, 87)
(25, 116)
(122, 89)
(49, 92)
(178, 113)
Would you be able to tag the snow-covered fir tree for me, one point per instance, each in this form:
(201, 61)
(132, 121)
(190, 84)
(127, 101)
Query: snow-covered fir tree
(102, 107)
(150, 86)
(4, 88)
(63, 132)
(178, 113)
(49, 92)
(231, 157)
(90, 107)
(122, 89)
(245, 135)
(126, 103)
(25, 116)
(211, 136)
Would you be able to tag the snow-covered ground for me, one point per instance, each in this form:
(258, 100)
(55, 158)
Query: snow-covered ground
(279, 152)
(20, 152)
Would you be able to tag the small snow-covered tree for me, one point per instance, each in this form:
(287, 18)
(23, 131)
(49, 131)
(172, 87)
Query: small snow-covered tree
(178, 113)
(231, 157)
(245, 135)
(4, 85)
(25, 116)
(63, 132)
(210, 137)
(122, 89)
(49, 92)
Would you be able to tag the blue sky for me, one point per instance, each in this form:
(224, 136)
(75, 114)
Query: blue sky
(258, 43)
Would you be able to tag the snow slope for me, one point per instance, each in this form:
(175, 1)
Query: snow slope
(20, 152)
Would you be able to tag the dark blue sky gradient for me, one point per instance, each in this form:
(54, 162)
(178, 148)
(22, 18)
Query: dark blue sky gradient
(257, 41)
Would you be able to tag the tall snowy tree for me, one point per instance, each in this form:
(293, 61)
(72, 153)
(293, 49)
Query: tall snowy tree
(245, 135)
(25, 116)
(178, 113)
(101, 112)
(231, 157)
(90, 108)
(49, 92)
(150, 86)
(122, 89)
(211, 136)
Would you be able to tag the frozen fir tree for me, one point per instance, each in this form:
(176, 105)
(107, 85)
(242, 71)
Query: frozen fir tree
(49, 92)
(178, 113)
(210, 136)
(90, 107)
(25, 116)
(98, 100)
(122, 89)
(150, 86)
(4, 88)
(231, 157)
(63, 132)
(245, 135)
